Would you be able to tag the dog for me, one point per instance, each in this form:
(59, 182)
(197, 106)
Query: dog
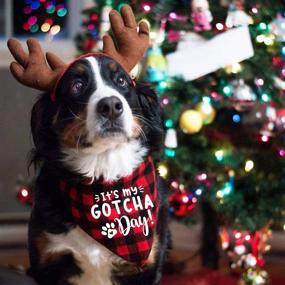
(101, 125)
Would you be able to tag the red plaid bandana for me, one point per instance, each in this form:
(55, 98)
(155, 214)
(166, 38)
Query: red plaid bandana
(122, 215)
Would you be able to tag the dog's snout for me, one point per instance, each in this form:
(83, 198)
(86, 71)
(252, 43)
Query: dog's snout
(110, 107)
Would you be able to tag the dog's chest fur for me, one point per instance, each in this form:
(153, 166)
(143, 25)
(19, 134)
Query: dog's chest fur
(95, 260)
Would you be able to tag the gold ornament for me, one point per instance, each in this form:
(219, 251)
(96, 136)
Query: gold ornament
(207, 111)
(191, 121)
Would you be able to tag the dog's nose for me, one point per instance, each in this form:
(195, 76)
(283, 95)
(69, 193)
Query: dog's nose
(110, 107)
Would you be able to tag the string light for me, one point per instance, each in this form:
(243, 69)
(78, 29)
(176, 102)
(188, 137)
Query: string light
(254, 10)
(249, 165)
(234, 68)
(33, 23)
(162, 85)
(185, 199)
(262, 26)
(181, 187)
(169, 152)
(194, 200)
(237, 235)
(32, 20)
(174, 184)
(165, 101)
(220, 194)
(247, 237)
(265, 97)
(219, 154)
(50, 8)
(45, 27)
(35, 5)
(201, 177)
(236, 118)
(227, 189)
(260, 38)
(55, 30)
(173, 15)
(282, 152)
(34, 28)
(259, 82)
(24, 192)
(27, 10)
(162, 170)
(228, 90)
(198, 191)
(219, 26)
(269, 41)
(264, 138)
(146, 8)
(169, 123)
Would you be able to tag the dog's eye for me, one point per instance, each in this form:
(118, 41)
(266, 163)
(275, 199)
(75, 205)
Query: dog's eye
(77, 86)
(121, 81)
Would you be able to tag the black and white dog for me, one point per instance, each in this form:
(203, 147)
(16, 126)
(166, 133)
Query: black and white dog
(100, 126)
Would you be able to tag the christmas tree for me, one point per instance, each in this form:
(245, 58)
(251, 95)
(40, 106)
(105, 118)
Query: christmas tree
(218, 68)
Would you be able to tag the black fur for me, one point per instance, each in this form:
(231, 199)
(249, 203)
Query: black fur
(49, 214)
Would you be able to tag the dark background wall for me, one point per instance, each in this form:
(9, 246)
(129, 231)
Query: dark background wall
(15, 142)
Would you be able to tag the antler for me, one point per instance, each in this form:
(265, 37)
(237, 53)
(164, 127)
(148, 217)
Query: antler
(34, 69)
(42, 72)
(131, 44)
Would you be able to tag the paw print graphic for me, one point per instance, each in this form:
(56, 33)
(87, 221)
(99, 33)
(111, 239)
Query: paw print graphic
(109, 230)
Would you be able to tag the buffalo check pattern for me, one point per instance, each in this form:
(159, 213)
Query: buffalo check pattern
(134, 247)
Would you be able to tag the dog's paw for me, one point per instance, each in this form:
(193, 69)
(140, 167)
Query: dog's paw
(109, 230)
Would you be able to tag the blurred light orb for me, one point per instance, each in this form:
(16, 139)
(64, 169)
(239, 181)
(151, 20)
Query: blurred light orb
(162, 170)
(198, 192)
(282, 152)
(236, 118)
(207, 111)
(146, 8)
(237, 235)
(45, 27)
(24, 192)
(219, 154)
(191, 121)
(55, 30)
(219, 26)
(254, 10)
(249, 165)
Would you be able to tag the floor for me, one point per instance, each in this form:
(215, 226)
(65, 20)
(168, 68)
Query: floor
(192, 273)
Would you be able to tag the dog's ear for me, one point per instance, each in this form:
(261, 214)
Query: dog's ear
(152, 111)
(148, 97)
(41, 121)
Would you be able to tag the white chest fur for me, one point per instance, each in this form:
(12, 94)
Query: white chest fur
(112, 164)
(94, 259)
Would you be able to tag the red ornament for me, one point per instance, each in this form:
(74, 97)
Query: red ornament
(24, 195)
(277, 61)
(94, 17)
(182, 203)
(89, 44)
(280, 120)
(173, 36)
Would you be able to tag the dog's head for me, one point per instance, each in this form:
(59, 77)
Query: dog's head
(98, 116)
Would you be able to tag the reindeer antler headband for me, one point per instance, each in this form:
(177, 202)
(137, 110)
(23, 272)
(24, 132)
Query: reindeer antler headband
(42, 72)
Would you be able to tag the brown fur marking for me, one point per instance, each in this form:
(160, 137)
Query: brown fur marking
(42, 243)
(74, 135)
(136, 127)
